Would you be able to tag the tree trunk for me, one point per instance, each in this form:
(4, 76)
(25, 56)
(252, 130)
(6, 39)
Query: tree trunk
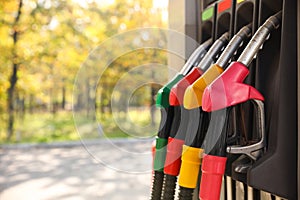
(13, 78)
(30, 104)
(88, 98)
(101, 105)
(63, 101)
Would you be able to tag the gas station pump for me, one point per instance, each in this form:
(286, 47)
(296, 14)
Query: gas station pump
(258, 147)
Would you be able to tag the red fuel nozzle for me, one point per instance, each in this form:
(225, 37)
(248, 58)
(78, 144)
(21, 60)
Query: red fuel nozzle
(228, 89)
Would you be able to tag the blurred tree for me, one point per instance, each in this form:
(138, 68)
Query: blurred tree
(15, 65)
(44, 42)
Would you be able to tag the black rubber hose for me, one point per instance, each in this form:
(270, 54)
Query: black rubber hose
(157, 184)
(186, 193)
(180, 122)
(164, 130)
(169, 187)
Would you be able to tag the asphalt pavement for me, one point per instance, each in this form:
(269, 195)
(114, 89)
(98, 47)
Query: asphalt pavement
(101, 169)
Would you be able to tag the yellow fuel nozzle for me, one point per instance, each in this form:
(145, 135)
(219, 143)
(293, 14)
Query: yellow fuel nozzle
(193, 94)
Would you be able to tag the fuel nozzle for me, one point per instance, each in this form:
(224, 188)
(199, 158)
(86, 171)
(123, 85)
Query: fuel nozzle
(167, 113)
(177, 91)
(225, 92)
(193, 94)
(254, 151)
(181, 116)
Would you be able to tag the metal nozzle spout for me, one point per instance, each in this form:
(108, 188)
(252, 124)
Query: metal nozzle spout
(259, 38)
(214, 50)
(233, 45)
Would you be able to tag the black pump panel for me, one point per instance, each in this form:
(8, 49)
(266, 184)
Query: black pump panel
(246, 12)
(276, 78)
(223, 24)
(225, 17)
(207, 20)
(274, 74)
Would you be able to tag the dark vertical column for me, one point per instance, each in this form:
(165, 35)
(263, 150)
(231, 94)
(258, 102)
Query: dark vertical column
(276, 78)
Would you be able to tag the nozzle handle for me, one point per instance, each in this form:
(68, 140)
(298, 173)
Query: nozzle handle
(196, 57)
(260, 36)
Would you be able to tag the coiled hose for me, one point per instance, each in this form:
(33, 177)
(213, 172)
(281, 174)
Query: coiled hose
(186, 193)
(169, 187)
(157, 184)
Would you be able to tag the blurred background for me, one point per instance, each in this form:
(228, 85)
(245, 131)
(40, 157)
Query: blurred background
(43, 45)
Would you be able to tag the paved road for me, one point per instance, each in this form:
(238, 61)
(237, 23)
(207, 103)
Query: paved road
(109, 170)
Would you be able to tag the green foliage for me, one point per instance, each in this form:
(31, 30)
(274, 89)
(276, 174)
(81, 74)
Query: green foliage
(55, 38)
(46, 127)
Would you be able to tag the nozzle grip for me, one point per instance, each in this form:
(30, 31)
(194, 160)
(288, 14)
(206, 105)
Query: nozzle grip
(213, 169)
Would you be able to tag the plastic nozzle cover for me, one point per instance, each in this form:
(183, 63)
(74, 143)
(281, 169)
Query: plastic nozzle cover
(160, 154)
(177, 91)
(190, 165)
(173, 157)
(193, 94)
(228, 89)
(213, 169)
(162, 99)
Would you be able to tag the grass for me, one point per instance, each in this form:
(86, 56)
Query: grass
(46, 128)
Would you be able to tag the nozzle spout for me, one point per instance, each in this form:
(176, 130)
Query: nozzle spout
(259, 38)
(196, 57)
(214, 50)
(233, 45)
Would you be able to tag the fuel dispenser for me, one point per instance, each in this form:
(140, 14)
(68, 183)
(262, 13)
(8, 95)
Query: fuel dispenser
(253, 104)
(273, 73)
